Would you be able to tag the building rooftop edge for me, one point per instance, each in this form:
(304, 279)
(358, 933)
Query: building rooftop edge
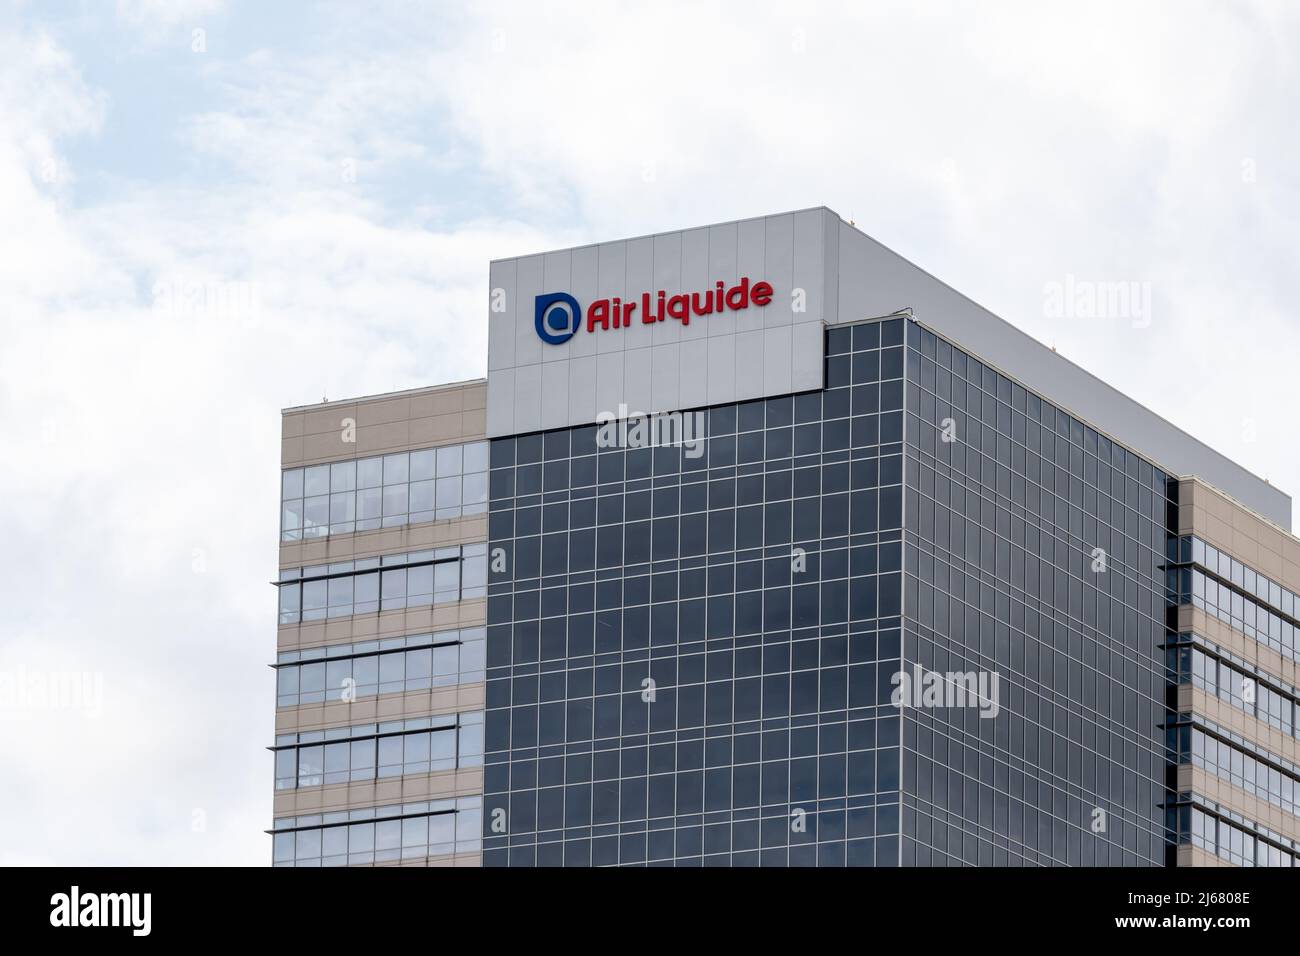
(383, 396)
(981, 353)
(1105, 432)
(1059, 355)
(1238, 503)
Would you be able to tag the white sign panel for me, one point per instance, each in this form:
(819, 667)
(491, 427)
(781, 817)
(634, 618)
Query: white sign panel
(674, 321)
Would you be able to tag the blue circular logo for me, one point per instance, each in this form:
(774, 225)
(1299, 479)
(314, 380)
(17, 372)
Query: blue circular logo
(556, 316)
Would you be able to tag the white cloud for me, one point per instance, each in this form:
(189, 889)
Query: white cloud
(1001, 148)
(165, 13)
(140, 515)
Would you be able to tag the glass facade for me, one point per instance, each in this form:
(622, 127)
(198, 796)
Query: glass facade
(391, 582)
(1237, 683)
(392, 665)
(393, 748)
(699, 661)
(1035, 550)
(383, 491)
(914, 614)
(689, 659)
(1238, 762)
(1233, 844)
(364, 837)
(1229, 836)
(1217, 598)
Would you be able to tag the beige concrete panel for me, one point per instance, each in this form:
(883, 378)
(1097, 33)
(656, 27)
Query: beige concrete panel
(382, 424)
(438, 403)
(384, 411)
(471, 529)
(471, 612)
(1231, 527)
(458, 698)
(439, 785)
(328, 447)
(328, 419)
(1189, 855)
(382, 438)
(291, 452)
(458, 859)
(433, 431)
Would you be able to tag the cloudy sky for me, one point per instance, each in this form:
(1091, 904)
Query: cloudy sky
(212, 210)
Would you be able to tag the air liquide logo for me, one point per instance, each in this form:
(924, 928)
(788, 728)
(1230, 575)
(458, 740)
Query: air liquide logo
(558, 317)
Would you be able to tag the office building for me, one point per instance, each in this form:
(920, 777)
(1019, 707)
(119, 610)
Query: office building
(761, 546)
